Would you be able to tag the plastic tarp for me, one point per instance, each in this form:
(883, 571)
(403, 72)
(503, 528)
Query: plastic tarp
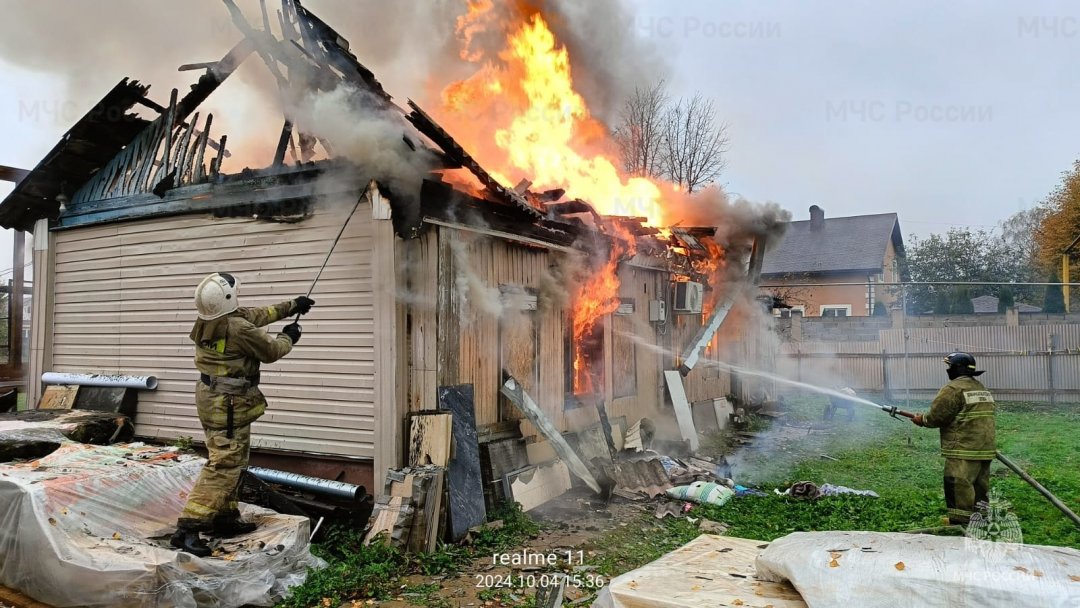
(879, 570)
(89, 526)
(708, 571)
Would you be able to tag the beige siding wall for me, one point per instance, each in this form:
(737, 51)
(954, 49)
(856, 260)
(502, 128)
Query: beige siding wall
(813, 298)
(123, 303)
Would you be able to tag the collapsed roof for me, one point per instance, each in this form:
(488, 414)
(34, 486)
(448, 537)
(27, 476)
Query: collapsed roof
(112, 153)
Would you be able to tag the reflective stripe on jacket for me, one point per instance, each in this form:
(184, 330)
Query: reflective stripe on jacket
(964, 411)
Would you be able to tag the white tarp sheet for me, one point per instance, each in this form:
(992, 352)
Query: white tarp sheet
(89, 526)
(886, 570)
(708, 571)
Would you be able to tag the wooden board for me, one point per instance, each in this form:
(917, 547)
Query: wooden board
(392, 516)
(464, 481)
(430, 439)
(433, 509)
(683, 415)
(422, 489)
(58, 397)
(536, 485)
(18, 600)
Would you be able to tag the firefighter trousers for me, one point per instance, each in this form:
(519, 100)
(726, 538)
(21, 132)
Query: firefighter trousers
(967, 483)
(216, 490)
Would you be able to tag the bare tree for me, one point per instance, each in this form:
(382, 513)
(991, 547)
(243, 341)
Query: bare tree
(694, 143)
(641, 129)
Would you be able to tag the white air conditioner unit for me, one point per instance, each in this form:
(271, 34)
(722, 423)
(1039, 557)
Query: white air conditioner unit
(688, 297)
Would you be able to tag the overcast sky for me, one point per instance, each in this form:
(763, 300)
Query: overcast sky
(947, 113)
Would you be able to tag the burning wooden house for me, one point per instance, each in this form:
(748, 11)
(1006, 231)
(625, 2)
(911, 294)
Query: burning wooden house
(451, 278)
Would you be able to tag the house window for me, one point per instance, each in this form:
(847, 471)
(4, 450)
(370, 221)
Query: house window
(836, 310)
(785, 313)
(624, 350)
(519, 343)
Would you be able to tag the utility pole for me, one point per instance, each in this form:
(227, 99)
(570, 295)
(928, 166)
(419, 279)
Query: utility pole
(1065, 271)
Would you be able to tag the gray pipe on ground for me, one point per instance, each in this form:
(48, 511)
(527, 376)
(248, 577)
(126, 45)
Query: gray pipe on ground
(329, 487)
(146, 383)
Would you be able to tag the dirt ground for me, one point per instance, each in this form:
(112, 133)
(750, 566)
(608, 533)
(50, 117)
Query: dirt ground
(569, 523)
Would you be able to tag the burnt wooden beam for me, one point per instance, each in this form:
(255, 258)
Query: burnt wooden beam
(206, 65)
(427, 125)
(11, 174)
(214, 76)
(15, 302)
(283, 142)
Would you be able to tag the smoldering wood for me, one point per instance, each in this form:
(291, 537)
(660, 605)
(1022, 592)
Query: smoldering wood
(199, 172)
(283, 141)
(215, 167)
(427, 125)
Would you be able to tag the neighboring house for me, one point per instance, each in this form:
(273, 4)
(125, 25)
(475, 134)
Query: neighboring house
(812, 268)
(989, 305)
(441, 288)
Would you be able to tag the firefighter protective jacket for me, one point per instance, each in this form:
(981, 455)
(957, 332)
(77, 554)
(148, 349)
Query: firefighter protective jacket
(233, 346)
(964, 411)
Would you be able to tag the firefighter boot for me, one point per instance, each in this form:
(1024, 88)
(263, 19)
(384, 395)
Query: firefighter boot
(229, 524)
(187, 539)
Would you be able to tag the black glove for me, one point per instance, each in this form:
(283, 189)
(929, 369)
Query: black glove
(293, 331)
(304, 304)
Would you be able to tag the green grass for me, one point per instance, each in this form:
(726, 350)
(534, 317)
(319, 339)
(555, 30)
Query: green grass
(873, 453)
(356, 571)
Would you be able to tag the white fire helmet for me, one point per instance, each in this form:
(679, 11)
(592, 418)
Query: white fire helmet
(216, 296)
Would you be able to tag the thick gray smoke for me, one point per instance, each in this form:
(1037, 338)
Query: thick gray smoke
(411, 46)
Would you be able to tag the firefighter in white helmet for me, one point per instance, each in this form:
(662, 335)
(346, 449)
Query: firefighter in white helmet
(229, 347)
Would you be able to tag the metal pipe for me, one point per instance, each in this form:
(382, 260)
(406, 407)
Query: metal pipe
(146, 383)
(329, 487)
(1039, 487)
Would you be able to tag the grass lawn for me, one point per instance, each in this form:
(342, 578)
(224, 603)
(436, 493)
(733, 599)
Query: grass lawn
(894, 458)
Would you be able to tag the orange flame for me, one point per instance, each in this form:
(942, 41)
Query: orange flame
(543, 131)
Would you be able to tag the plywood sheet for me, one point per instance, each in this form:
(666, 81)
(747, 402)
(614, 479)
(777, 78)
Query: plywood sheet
(708, 571)
(58, 397)
(430, 439)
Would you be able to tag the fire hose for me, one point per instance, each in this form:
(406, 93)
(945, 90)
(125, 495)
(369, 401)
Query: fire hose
(329, 253)
(893, 411)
